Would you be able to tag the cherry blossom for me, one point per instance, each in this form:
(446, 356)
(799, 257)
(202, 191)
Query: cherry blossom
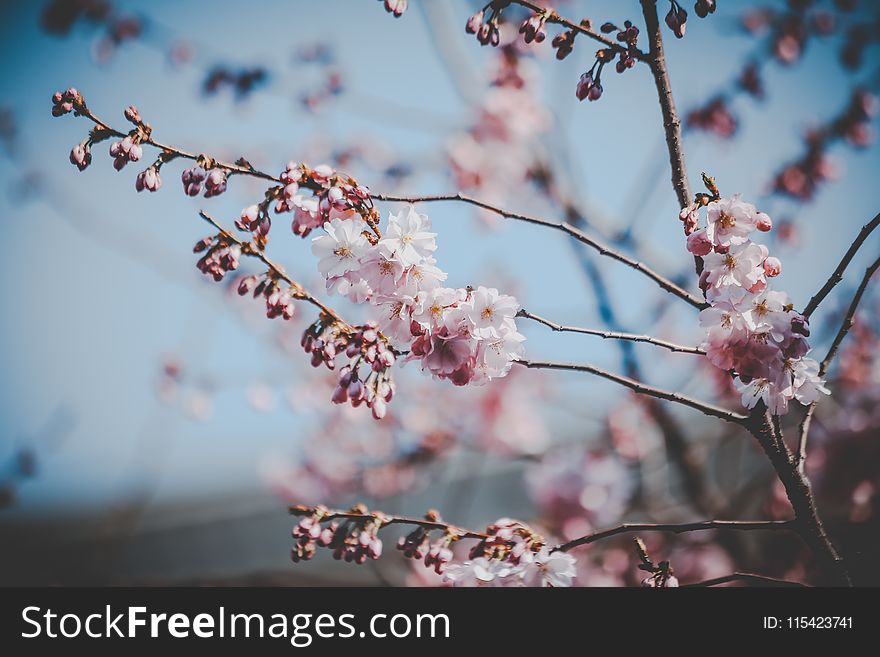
(751, 329)
(339, 250)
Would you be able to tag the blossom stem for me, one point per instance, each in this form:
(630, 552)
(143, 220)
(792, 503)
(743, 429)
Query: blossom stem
(837, 275)
(565, 227)
(612, 335)
(640, 388)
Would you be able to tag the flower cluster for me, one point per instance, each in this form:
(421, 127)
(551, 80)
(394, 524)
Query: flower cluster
(354, 540)
(590, 83)
(363, 346)
(751, 329)
(279, 299)
(197, 177)
(222, 255)
(465, 335)
(512, 555)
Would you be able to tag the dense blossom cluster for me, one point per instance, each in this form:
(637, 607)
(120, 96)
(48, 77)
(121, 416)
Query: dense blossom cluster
(465, 335)
(751, 329)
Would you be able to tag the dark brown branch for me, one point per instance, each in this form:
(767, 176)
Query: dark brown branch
(640, 388)
(566, 228)
(837, 275)
(799, 493)
(612, 335)
(751, 578)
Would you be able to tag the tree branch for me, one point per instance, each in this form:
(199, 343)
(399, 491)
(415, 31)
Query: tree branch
(299, 291)
(845, 326)
(439, 525)
(671, 122)
(553, 17)
(642, 389)
(758, 580)
(837, 275)
(566, 228)
(612, 335)
(740, 525)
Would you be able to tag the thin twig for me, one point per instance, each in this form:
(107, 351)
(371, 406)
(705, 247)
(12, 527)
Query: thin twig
(612, 335)
(299, 292)
(739, 525)
(553, 17)
(642, 389)
(439, 525)
(845, 326)
(759, 580)
(837, 275)
(566, 228)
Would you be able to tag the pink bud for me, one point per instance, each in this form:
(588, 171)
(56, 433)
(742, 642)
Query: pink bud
(699, 243)
(379, 408)
(772, 267)
(764, 222)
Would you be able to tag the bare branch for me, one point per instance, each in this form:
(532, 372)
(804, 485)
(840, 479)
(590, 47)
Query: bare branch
(757, 580)
(612, 335)
(739, 525)
(299, 292)
(553, 17)
(642, 389)
(566, 228)
(671, 122)
(837, 275)
(845, 326)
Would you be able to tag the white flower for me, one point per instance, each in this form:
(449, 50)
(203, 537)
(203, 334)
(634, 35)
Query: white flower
(340, 249)
(495, 355)
(768, 313)
(488, 311)
(806, 381)
(554, 569)
(774, 396)
(407, 237)
(730, 221)
(477, 572)
(431, 306)
(739, 266)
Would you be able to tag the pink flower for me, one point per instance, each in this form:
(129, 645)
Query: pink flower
(699, 243)
(148, 179)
